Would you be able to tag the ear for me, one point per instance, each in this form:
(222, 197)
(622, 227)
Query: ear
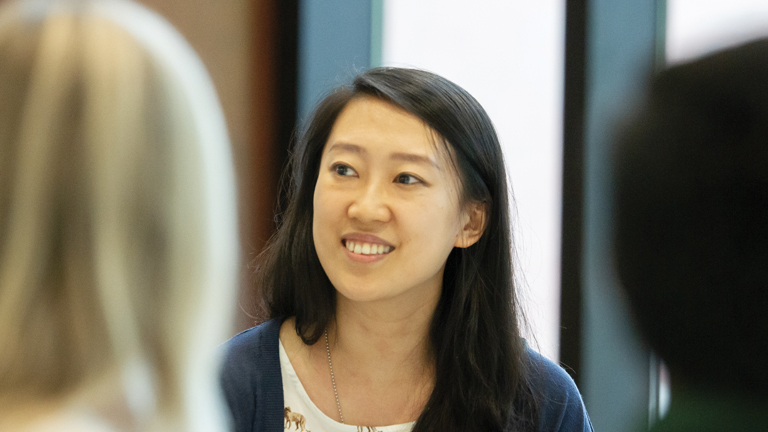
(473, 220)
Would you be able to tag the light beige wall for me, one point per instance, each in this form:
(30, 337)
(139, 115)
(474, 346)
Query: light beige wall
(221, 31)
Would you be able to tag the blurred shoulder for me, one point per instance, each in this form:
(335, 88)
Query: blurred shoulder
(63, 421)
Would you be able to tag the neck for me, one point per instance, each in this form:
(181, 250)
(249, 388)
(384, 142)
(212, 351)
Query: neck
(385, 338)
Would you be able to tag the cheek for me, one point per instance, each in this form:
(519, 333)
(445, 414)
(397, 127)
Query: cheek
(326, 209)
(318, 212)
(321, 197)
(436, 219)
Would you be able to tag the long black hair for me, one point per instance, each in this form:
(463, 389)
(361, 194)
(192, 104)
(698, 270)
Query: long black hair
(478, 351)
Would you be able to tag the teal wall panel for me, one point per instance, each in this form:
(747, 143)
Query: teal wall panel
(334, 44)
(621, 50)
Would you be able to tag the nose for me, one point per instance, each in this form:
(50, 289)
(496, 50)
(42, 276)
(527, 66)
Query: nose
(371, 204)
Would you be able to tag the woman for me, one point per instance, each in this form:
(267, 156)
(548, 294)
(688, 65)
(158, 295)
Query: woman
(118, 242)
(389, 284)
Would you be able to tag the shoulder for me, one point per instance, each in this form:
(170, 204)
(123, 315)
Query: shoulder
(249, 342)
(251, 352)
(250, 376)
(560, 405)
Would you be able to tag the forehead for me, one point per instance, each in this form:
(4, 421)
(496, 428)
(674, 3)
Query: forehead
(376, 125)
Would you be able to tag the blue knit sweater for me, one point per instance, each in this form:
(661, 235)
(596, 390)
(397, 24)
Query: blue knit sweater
(253, 386)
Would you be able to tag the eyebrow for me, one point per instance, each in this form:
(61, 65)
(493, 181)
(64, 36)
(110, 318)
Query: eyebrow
(406, 157)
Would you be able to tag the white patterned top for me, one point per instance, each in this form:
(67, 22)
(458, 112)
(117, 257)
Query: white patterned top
(301, 414)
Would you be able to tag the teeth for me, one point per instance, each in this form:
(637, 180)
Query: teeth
(367, 248)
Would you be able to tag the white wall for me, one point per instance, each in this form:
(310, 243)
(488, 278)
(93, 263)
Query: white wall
(697, 27)
(509, 55)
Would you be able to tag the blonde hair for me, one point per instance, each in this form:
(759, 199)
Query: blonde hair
(118, 242)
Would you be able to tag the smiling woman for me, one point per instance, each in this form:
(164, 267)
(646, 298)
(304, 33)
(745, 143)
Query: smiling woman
(388, 288)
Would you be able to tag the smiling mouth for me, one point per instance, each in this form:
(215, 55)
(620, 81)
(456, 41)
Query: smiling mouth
(363, 248)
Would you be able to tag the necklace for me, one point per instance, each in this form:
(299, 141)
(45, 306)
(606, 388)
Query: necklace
(333, 379)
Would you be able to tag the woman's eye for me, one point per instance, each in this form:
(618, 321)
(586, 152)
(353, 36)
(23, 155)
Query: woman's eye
(406, 179)
(343, 170)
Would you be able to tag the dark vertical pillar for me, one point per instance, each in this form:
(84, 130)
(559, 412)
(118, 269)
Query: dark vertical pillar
(273, 115)
(573, 184)
(287, 77)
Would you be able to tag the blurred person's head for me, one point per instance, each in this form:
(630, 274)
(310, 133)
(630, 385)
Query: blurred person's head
(118, 242)
(691, 219)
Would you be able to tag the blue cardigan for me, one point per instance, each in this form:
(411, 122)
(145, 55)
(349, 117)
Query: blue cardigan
(253, 386)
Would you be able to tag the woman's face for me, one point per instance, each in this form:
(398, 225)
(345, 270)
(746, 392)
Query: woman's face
(386, 205)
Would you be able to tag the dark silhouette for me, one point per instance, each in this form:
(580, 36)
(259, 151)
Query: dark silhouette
(691, 235)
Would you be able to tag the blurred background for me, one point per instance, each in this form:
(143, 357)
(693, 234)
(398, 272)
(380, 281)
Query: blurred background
(555, 77)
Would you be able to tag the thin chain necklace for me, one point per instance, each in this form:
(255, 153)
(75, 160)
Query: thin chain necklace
(333, 379)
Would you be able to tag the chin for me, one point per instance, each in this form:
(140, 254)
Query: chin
(357, 294)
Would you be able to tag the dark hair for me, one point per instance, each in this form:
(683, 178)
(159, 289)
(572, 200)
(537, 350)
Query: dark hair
(691, 219)
(479, 354)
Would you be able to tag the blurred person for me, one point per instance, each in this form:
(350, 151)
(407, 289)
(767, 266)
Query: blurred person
(388, 287)
(118, 239)
(691, 235)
